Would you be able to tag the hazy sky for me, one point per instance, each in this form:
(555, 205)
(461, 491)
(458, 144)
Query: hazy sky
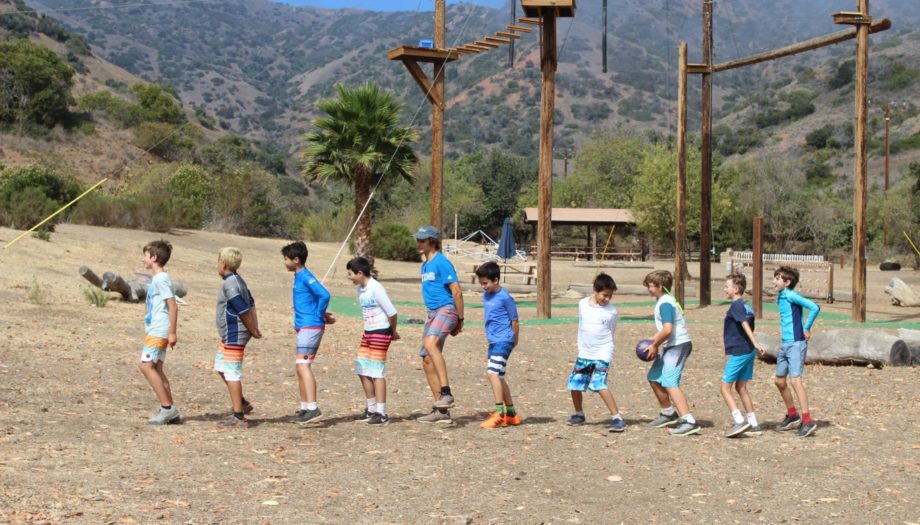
(388, 5)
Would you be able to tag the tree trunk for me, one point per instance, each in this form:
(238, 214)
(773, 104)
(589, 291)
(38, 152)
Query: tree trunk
(363, 247)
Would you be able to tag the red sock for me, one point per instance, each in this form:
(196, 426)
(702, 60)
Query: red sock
(791, 412)
(806, 418)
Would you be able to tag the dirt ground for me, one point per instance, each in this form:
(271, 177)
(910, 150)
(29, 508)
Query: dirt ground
(75, 447)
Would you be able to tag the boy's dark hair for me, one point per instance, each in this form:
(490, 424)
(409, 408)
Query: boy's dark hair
(161, 249)
(359, 265)
(604, 282)
(296, 250)
(738, 280)
(788, 274)
(489, 270)
(661, 278)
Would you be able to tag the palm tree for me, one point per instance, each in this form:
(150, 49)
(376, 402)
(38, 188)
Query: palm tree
(360, 139)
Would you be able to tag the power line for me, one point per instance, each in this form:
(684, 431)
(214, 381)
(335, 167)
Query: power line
(107, 7)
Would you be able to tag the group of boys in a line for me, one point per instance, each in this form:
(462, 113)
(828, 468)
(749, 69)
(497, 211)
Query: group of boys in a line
(669, 349)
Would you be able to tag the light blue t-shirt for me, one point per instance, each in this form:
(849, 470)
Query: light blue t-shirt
(156, 323)
(790, 304)
(666, 311)
(500, 311)
(437, 275)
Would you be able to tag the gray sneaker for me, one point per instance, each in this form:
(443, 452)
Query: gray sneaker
(664, 421)
(445, 401)
(233, 422)
(685, 428)
(165, 416)
(617, 425)
(738, 429)
(576, 419)
(365, 416)
(436, 416)
(755, 430)
(789, 422)
(308, 416)
(806, 429)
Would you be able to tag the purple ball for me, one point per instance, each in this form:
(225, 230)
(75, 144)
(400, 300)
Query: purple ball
(642, 349)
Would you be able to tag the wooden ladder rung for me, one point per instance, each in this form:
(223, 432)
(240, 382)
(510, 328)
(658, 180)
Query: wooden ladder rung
(531, 21)
(520, 29)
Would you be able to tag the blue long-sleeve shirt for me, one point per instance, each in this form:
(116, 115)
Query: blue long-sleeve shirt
(310, 301)
(790, 305)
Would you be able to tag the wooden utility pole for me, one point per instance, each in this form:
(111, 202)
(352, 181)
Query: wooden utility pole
(860, 181)
(887, 143)
(604, 34)
(680, 226)
(706, 161)
(757, 278)
(547, 11)
(437, 119)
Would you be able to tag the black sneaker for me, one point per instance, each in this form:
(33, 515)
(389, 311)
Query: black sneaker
(297, 415)
(379, 419)
(576, 419)
(806, 429)
(789, 422)
(365, 416)
(247, 407)
(309, 415)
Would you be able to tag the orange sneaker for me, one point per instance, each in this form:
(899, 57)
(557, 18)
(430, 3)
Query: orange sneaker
(494, 421)
(513, 421)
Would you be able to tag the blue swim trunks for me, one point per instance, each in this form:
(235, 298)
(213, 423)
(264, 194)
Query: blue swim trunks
(739, 368)
(791, 359)
(669, 365)
(589, 374)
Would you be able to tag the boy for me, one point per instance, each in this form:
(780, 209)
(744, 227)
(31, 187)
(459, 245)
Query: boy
(236, 323)
(597, 323)
(740, 343)
(502, 329)
(310, 319)
(160, 326)
(791, 358)
(675, 347)
(379, 330)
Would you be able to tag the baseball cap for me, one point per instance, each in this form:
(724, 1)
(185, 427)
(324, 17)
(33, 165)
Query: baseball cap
(427, 232)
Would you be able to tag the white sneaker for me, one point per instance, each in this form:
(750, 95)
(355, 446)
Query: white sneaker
(165, 416)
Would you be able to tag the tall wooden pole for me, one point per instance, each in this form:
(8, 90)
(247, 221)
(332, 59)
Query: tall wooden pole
(604, 34)
(757, 278)
(547, 108)
(437, 120)
(706, 160)
(860, 185)
(887, 143)
(680, 223)
(512, 22)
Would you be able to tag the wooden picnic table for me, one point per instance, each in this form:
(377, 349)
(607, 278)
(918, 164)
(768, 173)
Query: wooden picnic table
(525, 272)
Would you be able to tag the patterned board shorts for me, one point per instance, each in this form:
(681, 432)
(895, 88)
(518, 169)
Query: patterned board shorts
(588, 374)
(441, 323)
(229, 361)
(372, 354)
(308, 340)
(669, 365)
(154, 349)
(498, 357)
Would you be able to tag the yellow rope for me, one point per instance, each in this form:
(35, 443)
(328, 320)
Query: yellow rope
(53, 215)
(912, 245)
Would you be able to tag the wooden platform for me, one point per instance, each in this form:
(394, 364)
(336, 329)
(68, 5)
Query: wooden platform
(423, 54)
(561, 8)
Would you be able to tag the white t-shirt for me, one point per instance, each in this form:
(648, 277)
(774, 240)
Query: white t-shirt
(375, 306)
(596, 327)
(679, 333)
(156, 323)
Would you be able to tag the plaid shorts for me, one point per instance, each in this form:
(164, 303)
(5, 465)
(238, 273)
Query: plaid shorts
(441, 323)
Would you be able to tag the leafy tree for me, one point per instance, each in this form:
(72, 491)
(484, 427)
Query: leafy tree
(158, 104)
(34, 84)
(193, 192)
(360, 139)
(28, 194)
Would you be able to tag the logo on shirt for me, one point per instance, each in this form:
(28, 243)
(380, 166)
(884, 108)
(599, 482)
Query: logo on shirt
(430, 276)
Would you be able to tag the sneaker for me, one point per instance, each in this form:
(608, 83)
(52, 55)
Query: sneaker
(664, 420)
(379, 420)
(445, 401)
(512, 421)
(738, 429)
(806, 429)
(789, 422)
(233, 422)
(165, 416)
(366, 416)
(685, 428)
(247, 408)
(309, 415)
(755, 430)
(617, 425)
(495, 420)
(576, 419)
(436, 416)
(297, 415)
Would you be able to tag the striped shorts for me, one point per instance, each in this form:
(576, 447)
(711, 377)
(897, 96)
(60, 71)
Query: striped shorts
(498, 357)
(229, 361)
(154, 349)
(441, 323)
(372, 354)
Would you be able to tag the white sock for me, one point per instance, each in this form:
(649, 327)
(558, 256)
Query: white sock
(371, 402)
(736, 415)
(311, 406)
(689, 418)
(668, 411)
(304, 405)
(580, 413)
(381, 409)
(752, 419)
(616, 416)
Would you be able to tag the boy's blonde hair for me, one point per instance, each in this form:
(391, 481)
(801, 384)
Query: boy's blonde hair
(738, 280)
(231, 256)
(660, 278)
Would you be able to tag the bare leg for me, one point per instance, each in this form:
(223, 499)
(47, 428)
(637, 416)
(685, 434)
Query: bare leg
(577, 399)
(799, 388)
(726, 390)
(661, 394)
(367, 383)
(152, 375)
(780, 383)
(432, 376)
(506, 393)
(433, 346)
(380, 389)
(741, 387)
(680, 401)
(236, 395)
(498, 391)
(609, 401)
(307, 382)
(164, 379)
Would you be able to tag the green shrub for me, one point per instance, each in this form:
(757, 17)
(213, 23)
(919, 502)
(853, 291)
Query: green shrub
(193, 192)
(394, 241)
(38, 292)
(34, 84)
(95, 296)
(167, 141)
(28, 194)
(41, 234)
